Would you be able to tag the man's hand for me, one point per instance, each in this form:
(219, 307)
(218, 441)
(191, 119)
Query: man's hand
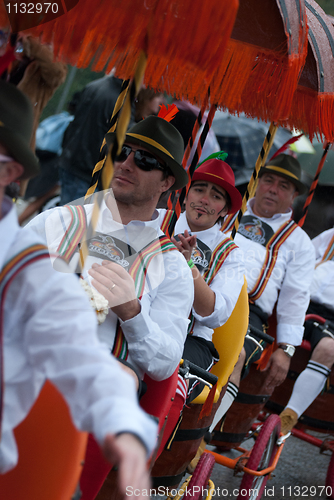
(278, 367)
(185, 245)
(117, 286)
(129, 454)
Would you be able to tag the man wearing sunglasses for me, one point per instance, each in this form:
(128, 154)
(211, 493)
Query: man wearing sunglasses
(48, 331)
(131, 263)
(148, 306)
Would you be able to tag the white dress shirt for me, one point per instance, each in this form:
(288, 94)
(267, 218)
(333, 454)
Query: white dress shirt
(289, 283)
(50, 333)
(226, 284)
(322, 287)
(157, 334)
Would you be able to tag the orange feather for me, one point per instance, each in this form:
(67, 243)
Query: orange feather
(168, 113)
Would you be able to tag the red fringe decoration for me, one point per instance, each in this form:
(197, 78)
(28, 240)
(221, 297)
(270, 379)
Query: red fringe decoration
(174, 34)
(259, 82)
(265, 356)
(313, 113)
(188, 49)
(168, 113)
(208, 403)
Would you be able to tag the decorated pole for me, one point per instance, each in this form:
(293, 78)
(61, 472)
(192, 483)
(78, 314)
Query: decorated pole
(172, 198)
(314, 184)
(107, 170)
(269, 139)
(197, 154)
(113, 121)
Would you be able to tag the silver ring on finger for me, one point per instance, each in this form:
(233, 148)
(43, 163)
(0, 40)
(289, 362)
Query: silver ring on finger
(112, 286)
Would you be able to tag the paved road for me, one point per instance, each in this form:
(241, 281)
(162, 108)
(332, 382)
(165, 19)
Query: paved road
(300, 473)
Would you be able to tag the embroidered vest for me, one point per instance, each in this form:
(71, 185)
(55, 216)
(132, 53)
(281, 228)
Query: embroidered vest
(10, 270)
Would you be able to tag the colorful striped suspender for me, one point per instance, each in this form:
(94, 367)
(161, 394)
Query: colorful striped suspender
(74, 233)
(329, 253)
(272, 249)
(138, 272)
(166, 223)
(8, 273)
(218, 258)
(228, 223)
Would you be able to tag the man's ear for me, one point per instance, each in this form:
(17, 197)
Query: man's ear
(295, 194)
(167, 183)
(10, 172)
(224, 212)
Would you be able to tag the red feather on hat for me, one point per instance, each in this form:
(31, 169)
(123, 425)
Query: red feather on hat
(286, 145)
(168, 113)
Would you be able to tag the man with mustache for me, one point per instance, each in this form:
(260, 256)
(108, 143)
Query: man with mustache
(279, 261)
(216, 262)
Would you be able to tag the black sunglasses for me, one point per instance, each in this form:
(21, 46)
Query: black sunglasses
(143, 159)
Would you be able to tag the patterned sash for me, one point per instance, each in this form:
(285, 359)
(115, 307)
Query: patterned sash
(166, 222)
(218, 258)
(272, 249)
(138, 271)
(228, 223)
(74, 233)
(329, 253)
(10, 270)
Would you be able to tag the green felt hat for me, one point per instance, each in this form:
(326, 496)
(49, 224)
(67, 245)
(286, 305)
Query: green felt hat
(162, 139)
(16, 125)
(288, 167)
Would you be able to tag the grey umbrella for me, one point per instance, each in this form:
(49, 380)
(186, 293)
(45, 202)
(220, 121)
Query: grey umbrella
(309, 164)
(242, 138)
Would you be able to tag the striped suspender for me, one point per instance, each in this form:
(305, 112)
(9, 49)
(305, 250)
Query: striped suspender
(272, 249)
(166, 222)
(228, 223)
(138, 272)
(218, 258)
(8, 273)
(74, 233)
(329, 253)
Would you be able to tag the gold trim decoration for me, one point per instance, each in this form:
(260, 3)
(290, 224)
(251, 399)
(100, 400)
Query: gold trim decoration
(151, 142)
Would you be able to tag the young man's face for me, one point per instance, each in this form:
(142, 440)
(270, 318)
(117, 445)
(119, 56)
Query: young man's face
(205, 203)
(274, 195)
(133, 186)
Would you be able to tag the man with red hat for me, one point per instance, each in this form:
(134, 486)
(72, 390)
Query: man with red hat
(216, 262)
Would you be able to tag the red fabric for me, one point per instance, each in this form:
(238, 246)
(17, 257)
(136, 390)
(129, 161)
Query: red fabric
(94, 472)
(173, 417)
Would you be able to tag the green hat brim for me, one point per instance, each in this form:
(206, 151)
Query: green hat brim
(181, 176)
(22, 153)
(301, 188)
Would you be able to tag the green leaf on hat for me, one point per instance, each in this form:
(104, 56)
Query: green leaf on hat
(220, 155)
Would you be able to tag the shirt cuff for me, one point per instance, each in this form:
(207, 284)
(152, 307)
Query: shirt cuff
(217, 317)
(289, 334)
